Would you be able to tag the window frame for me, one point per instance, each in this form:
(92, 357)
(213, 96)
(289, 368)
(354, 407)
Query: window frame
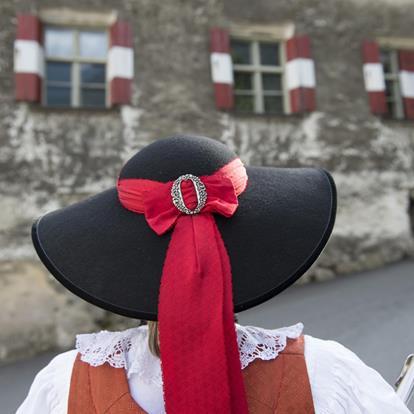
(394, 77)
(257, 69)
(76, 60)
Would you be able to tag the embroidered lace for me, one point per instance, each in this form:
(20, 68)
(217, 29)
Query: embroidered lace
(128, 349)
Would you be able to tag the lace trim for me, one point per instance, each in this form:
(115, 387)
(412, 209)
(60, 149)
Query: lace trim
(125, 349)
(262, 343)
(128, 349)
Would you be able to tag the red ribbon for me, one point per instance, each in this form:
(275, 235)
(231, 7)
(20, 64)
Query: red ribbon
(199, 352)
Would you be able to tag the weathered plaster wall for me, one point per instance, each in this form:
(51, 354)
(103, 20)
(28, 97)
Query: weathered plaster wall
(49, 158)
(371, 159)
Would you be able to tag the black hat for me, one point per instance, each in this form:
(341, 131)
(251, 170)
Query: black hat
(110, 256)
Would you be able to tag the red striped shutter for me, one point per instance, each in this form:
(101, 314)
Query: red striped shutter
(221, 68)
(28, 59)
(120, 68)
(374, 77)
(300, 75)
(406, 63)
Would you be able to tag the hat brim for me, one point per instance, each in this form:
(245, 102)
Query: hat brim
(110, 257)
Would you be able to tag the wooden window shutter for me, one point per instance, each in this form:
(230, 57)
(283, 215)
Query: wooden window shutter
(221, 68)
(300, 75)
(374, 77)
(406, 66)
(120, 67)
(28, 59)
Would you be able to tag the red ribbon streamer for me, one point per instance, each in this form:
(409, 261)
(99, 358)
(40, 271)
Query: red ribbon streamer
(199, 352)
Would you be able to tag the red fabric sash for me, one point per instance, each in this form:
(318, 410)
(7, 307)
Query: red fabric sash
(198, 342)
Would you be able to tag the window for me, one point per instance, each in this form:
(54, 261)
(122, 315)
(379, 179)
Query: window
(258, 76)
(389, 59)
(75, 72)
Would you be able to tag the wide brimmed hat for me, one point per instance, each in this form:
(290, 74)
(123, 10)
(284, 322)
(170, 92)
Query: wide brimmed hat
(187, 237)
(109, 256)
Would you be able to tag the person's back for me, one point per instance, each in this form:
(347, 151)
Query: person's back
(280, 367)
(188, 237)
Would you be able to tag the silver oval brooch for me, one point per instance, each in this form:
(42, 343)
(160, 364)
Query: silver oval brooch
(177, 195)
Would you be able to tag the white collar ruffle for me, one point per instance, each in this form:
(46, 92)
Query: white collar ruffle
(128, 349)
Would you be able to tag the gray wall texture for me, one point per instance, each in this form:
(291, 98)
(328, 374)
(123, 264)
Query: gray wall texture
(49, 158)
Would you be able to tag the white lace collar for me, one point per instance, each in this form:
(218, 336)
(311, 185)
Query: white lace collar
(128, 349)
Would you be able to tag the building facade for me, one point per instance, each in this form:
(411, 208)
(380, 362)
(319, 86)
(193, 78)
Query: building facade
(83, 85)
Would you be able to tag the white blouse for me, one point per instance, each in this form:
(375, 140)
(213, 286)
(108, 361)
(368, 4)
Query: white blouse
(340, 381)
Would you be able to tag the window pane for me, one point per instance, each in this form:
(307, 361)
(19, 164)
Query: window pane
(58, 96)
(386, 60)
(240, 52)
(389, 88)
(269, 54)
(59, 42)
(391, 107)
(58, 71)
(243, 81)
(93, 97)
(92, 73)
(273, 104)
(93, 44)
(272, 82)
(244, 103)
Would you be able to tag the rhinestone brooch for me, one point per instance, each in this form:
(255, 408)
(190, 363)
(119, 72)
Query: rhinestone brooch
(177, 195)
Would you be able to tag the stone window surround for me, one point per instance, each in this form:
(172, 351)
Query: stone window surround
(64, 16)
(392, 45)
(276, 33)
(75, 19)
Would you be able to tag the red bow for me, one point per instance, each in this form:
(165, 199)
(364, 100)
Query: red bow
(199, 352)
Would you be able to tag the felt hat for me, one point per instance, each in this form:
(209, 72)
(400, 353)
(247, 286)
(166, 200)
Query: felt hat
(188, 236)
(110, 257)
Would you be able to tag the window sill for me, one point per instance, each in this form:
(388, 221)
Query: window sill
(391, 120)
(271, 116)
(74, 110)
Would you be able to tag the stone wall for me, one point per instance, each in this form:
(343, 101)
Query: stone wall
(49, 158)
